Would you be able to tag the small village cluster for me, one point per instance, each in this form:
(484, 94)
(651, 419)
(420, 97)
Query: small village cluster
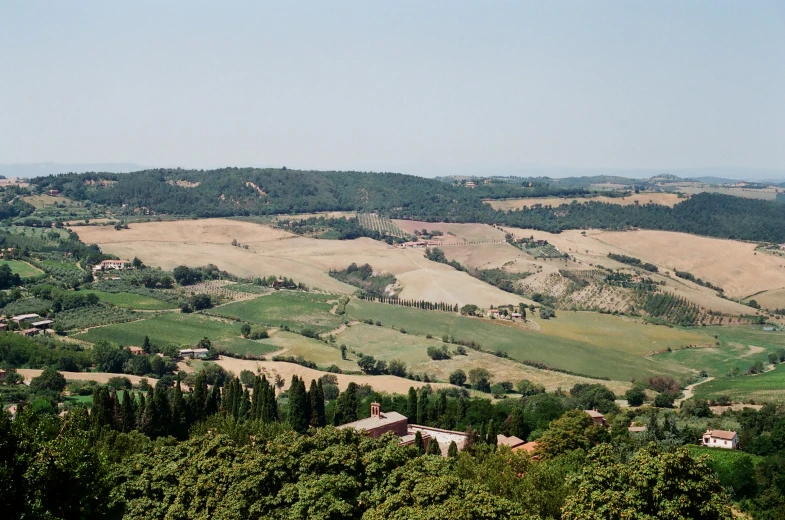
(380, 423)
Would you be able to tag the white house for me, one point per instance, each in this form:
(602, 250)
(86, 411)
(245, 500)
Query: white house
(720, 439)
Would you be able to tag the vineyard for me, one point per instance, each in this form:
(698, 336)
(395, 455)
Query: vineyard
(381, 224)
(223, 289)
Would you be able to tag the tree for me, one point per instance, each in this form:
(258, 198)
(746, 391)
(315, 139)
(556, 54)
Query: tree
(664, 400)
(480, 379)
(179, 427)
(572, 431)
(245, 330)
(422, 406)
(518, 426)
(49, 380)
(490, 435)
(469, 309)
(411, 404)
(654, 484)
(635, 396)
(418, 443)
(433, 447)
(343, 351)
(397, 367)
(146, 346)
(198, 399)
(458, 378)
(298, 406)
(316, 395)
(247, 377)
(452, 451)
(346, 406)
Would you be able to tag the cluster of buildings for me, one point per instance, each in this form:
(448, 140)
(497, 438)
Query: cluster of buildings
(419, 243)
(380, 423)
(29, 324)
(107, 265)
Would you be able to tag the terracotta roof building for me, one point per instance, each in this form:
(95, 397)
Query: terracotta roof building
(380, 423)
(598, 418)
(720, 439)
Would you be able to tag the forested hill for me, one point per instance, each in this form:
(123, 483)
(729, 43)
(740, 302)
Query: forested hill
(250, 191)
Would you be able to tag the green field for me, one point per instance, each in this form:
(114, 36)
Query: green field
(178, 329)
(768, 387)
(53, 264)
(598, 345)
(23, 269)
(387, 344)
(132, 301)
(296, 310)
(311, 349)
(739, 347)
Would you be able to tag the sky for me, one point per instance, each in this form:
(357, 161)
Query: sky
(429, 88)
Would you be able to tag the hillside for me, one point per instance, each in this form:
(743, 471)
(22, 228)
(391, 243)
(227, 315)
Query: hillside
(249, 191)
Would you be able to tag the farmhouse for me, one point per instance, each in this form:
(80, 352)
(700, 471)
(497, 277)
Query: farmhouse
(135, 351)
(470, 184)
(380, 423)
(720, 439)
(54, 193)
(493, 313)
(636, 429)
(27, 332)
(194, 353)
(598, 418)
(529, 447)
(516, 315)
(112, 264)
(3, 327)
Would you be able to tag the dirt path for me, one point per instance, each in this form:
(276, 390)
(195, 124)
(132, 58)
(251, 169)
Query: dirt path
(688, 392)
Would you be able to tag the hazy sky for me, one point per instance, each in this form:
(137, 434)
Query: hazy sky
(422, 87)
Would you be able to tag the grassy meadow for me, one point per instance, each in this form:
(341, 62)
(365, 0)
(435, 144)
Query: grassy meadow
(766, 387)
(738, 347)
(323, 355)
(178, 329)
(295, 310)
(132, 301)
(586, 343)
(21, 268)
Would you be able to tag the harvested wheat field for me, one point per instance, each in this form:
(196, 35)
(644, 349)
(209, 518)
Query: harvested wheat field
(306, 260)
(774, 299)
(663, 199)
(205, 231)
(389, 384)
(99, 377)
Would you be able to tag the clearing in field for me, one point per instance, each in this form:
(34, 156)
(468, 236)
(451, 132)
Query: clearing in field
(132, 301)
(738, 347)
(762, 388)
(454, 233)
(591, 344)
(389, 344)
(21, 268)
(178, 329)
(663, 199)
(747, 193)
(305, 260)
(291, 344)
(295, 310)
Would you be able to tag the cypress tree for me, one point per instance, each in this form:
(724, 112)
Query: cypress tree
(211, 406)
(244, 410)
(146, 345)
(256, 399)
(411, 405)
(346, 406)
(461, 413)
(418, 443)
(141, 414)
(321, 417)
(490, 437)
(441, 409)
(128, 413)
(179, 424)
(317, 402)
(298, 410)
(271, 405)
(433, 447)
(452, 451)
(422, 407)
(198, 399)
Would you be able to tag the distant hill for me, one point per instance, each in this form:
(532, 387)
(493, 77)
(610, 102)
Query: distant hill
(714, 180)
(49, 168)
(254, 191)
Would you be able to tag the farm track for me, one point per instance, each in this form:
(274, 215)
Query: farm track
(688, 392)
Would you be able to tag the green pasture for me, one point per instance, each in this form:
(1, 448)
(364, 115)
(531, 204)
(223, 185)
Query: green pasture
(54, 264)
(766, 387)
(311, 349)
(738, 347)
(587, 343)
(132, 301)
(178, 329)
(296, 310)
(387, 344)
(21, 268)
